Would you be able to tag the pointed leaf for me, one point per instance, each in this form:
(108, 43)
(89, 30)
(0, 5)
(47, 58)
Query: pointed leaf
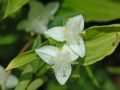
(25, 78)
(13, 6)
(104, 10)
(100, 41)
(35, 84)
(22, 59)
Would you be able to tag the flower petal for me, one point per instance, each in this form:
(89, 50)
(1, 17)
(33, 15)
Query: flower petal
(36, 10)
(51, 9)
(11, 82)
(37, 26)
(33, 25)
(2, 75)
(48, 53)
(71, 54)
(56, 33)
(62, 72)
(77, 46)
(76, 24)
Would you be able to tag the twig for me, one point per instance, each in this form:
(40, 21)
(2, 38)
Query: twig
(25, 47)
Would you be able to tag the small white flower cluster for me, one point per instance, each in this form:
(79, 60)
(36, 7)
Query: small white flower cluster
(39, 16)
(7, 80)
(61, 58)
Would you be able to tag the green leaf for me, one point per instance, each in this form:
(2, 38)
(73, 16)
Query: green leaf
(100, 41)
(105, 81)
(25, 78)
(22, 59)
(114, 70)
(55, 86)
(104, 10)
(92, 77)
(13, 6)
(37, 42)
(35, 84)
(9, 39)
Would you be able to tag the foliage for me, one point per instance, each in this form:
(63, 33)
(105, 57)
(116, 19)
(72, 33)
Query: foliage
(101, 37)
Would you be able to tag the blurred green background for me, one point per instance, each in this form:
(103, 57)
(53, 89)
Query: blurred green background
(103, 75)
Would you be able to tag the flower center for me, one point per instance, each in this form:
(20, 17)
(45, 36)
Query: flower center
(70, 35)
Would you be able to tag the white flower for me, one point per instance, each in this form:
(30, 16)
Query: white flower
(7, 80)
(71, 33)
(60, 59)
(39, 16)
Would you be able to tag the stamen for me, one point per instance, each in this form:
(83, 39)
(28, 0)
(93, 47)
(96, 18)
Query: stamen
(69, 18)
(69, 62)
(32, 34)
(53, 66)
(78, 37)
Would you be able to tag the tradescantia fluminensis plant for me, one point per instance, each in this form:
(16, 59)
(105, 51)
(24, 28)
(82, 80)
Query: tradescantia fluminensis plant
(62, 58)
(64, 48)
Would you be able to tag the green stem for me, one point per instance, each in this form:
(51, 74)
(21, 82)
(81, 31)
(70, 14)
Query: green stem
(90, 74)
(26, 46)
(42, 69)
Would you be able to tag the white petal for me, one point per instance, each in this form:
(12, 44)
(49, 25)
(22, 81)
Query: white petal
(76, 24)
(51, 9)
(48, 53)
(2, 75)
(77, 46)
(12, 81)
(36, 10)
(56, 33)
(71, 54)
(62, 72)
(33, 25)
(37, 26)
(48, 12)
